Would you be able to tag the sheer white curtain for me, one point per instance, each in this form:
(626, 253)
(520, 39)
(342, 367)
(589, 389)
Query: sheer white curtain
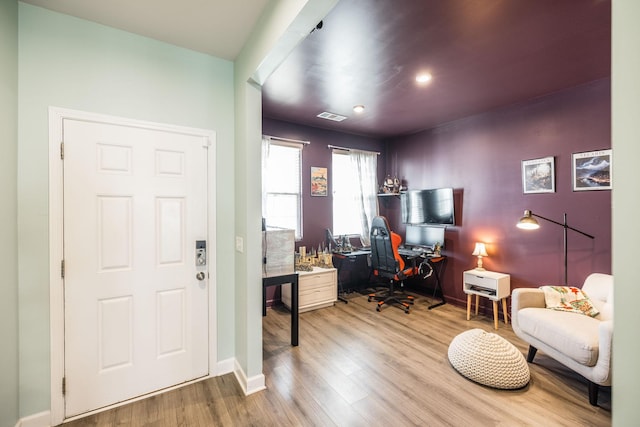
(365, 166)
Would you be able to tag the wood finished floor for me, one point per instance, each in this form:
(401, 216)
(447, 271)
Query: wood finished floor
(358, 367)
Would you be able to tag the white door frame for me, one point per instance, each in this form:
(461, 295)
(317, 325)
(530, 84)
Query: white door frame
(56, 243)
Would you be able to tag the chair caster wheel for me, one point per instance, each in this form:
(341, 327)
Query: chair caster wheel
(378, 308)
(370, 298)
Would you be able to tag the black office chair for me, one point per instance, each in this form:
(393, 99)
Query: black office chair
(388, 264)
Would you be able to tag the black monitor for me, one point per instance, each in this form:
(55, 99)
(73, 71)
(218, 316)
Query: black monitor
(424, 236)
(433, 206)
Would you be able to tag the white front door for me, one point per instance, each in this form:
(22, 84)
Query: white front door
(136, 314)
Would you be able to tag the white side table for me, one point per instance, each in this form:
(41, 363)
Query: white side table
(488, 284)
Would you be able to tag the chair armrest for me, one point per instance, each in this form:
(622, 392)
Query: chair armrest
(602, 371)
(605, 336)
(527, 297)
(524, 298)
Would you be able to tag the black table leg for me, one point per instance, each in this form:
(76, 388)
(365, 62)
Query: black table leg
(281, 280)
(294, 312)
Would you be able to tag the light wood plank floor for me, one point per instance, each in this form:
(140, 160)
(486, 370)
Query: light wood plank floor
(358, 367)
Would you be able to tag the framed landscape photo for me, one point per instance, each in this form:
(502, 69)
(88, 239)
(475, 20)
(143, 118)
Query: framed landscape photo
(538, 175)
(318, 181)
(591, 170)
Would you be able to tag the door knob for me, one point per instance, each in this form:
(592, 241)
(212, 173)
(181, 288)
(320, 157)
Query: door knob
(200, 275)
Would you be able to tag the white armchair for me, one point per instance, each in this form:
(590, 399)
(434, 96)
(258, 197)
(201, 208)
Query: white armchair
(579, 342)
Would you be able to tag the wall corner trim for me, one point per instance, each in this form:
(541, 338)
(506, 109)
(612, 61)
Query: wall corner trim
(249, 385)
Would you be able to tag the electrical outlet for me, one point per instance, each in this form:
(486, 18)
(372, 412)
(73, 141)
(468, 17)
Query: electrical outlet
(239, 244)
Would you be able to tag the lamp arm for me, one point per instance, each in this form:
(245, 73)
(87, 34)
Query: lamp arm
(581, 232)
(563, 225)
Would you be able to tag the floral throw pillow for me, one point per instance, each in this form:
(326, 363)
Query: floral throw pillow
(568, 298)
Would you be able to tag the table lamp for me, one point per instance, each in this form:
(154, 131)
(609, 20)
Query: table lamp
(479, 251)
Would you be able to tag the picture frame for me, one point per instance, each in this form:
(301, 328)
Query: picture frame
(591, 170)
(539, 175)
(318, 181)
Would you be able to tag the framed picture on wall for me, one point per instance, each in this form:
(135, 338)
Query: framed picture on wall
(591, 170)
(538, 175)
(318, 181)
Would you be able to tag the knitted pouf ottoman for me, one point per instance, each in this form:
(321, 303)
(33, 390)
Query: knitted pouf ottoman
(488, 359)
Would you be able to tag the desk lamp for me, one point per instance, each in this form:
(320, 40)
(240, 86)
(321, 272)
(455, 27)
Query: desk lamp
(479, 251)
(528, 222)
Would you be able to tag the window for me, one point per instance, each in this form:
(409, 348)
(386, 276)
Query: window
(354, 192)
(281, 185)
(345, 218)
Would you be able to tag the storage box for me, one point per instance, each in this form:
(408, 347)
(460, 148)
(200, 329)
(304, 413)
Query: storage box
(278, 252)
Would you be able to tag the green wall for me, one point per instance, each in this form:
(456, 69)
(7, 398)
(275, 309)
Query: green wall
(71, 63)
(625, 105)
(281, 27)
(8, 212)
(75, 64)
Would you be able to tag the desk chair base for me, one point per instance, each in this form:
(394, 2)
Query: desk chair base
(405, 302)
(390, 296)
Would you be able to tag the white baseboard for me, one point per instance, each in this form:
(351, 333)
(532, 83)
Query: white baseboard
(249, 385)
(41, 419)
(225, 367)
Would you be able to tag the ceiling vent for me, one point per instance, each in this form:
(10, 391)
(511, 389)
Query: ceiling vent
(331, 116)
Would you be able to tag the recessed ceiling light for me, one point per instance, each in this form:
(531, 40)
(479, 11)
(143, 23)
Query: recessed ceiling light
(423, 78)
(358, 108)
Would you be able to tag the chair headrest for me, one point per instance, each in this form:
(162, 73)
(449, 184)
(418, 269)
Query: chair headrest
(380, 225)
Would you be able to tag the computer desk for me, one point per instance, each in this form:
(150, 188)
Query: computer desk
(339, 259)
(437, 263)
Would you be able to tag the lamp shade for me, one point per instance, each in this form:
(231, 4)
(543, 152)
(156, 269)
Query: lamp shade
(528, 222)
(479, 250)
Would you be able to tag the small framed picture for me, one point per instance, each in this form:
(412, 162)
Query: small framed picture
(538, 175)
(318, 181)
(591, 170)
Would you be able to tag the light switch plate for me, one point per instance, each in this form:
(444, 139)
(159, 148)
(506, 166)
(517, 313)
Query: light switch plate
(239, 244)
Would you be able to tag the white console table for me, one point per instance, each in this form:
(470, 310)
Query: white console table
(316, 289)
(488, 284)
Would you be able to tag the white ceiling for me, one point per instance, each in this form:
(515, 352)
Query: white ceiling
(216, 27)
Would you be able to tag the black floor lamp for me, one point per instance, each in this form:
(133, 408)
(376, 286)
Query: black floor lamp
(528, 222)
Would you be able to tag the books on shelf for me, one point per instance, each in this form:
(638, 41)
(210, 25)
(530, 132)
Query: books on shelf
(481, 290)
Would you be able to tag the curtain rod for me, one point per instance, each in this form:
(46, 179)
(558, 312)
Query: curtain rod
(349, 149)
(287, 139)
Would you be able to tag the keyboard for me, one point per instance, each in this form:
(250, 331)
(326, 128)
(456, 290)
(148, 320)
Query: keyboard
(414, 251)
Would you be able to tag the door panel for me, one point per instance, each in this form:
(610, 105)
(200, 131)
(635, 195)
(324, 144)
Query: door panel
(136, 317)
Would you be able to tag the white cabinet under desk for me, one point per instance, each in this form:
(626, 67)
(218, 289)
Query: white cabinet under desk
(316, 289)
(487, 284)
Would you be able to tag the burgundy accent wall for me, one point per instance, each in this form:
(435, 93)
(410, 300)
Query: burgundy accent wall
(480, 157)
(317, 211)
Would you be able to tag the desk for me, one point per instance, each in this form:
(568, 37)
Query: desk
(437, 263)
(340, 260)
(281, 280)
